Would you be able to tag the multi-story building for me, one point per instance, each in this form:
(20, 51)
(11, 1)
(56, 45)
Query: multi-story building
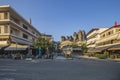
(47, 37)
(16, 34)
(109, 40)
(92, 36)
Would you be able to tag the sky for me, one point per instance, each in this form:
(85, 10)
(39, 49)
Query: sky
(64, 17)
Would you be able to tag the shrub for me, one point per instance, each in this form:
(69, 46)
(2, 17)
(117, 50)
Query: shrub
(106, 53)
(101, 56)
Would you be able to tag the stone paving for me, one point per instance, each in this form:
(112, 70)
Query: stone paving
(58, 69)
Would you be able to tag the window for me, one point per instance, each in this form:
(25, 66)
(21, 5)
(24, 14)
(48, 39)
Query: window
(117, 30)
(103, 35)
(33, 32)
(112, 32)
(0, 29)
(11, 31)
(33, 39)
(0, 17)
(5, 29)
(25, 36)
(36, 34)
(25, 27)
(108, 33)
(5, 15)
(112, 41)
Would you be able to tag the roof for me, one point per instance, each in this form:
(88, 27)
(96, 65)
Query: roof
(114, 26)
(4, 6)
(42, 34)
(92, 30)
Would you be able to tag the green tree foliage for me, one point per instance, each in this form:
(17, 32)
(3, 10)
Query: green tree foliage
(84, 47)
(44, 44)
(40, 42)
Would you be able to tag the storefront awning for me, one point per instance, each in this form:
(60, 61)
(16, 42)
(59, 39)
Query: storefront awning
(98, 49)
(90, 49)
(115, 47)
(16, 47)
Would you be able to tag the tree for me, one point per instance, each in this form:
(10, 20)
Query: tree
(84, 47)
(40, 42)
(44, 44)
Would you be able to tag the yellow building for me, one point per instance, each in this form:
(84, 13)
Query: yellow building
(109, 38)
(16, 34)
(109, 41)
(47, 37)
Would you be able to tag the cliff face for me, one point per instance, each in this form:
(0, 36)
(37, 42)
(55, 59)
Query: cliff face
(77, 36)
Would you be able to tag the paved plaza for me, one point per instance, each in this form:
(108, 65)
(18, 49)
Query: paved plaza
(59, 69)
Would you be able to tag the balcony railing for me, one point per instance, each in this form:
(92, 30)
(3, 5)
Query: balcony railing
(110, 37)
(23, 29)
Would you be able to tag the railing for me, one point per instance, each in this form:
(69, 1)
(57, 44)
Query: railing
(93, 33)
(24, 29)
(107, 38)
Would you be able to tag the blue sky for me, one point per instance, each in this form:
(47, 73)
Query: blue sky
(64, 17)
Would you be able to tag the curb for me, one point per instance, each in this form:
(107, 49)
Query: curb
(105, 60)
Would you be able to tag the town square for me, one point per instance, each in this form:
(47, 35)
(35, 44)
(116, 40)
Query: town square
(59, 40)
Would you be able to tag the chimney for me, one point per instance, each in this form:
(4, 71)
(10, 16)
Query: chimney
(115, 24)
(29, 21)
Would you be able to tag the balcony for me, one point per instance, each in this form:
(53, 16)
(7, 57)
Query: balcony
(110, 37)
(21, 40)
(92, 34)
(4, 21)
(3, 43)
(23, 29)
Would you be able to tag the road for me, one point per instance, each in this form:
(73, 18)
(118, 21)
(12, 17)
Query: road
(58, 69)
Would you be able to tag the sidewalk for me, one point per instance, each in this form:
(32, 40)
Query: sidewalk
(94, 58)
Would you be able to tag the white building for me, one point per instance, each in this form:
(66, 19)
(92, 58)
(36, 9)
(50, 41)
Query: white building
(92, 36)
(16, 34)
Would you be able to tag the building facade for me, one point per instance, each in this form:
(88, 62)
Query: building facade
(47, 37)
(16, 34)
(101, 40)
(92, 36)
(109, 39)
